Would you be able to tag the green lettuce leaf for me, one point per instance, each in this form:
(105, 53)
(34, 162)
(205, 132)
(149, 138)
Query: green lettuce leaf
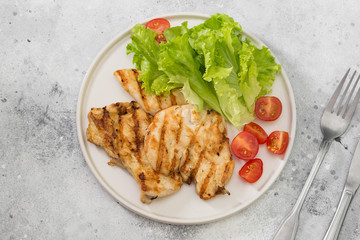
(211, 63)
(218, 41)
(146, 55)
(267, 69)
(178, 62)
(248, 73)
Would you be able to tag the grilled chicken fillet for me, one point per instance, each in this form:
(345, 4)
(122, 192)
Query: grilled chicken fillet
(192, 144)
(120, 129)
(128, 78)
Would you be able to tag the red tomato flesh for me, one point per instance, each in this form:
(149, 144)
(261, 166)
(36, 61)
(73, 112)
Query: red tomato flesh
(158, 25)
(277, 142)
(252, 170)
(160, 38)
(268, 108)
(257, 131)
(245, 146)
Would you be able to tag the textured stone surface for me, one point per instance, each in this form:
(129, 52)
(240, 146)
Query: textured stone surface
(47, 190)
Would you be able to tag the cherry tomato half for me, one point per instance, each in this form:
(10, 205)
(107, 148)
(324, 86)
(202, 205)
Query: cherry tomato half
(158, 25)
(268, 108)
(277, 142)
(245, 146)
(160, 38)
(257, 131)
(252, 170)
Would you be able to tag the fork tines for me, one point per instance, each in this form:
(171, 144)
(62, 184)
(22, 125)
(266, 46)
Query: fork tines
(347, 109)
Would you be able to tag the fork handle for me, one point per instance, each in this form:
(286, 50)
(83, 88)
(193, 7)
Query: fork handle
(288, 228)
(335, 226)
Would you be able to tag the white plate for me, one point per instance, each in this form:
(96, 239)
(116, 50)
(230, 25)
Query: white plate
(100, 88)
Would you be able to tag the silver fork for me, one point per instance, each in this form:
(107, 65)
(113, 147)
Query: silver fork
(334, 122)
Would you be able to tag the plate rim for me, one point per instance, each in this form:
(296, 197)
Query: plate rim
(123, 202)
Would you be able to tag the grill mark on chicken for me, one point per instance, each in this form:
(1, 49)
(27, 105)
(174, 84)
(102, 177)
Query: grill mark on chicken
(140, 89)
(206, 181)
(98, 122)
(144, 97)
(158, 99)
(136, 130)
(198, 164)
(176, 151)
(151, 103)
(173, 99)
(135, 71)
(173, 162)
(225, 175)
(179, 131)
(197, 145)
(105, 117)
(161, 145)
(139, 84)
(142, 179)
(196, 169)
(142, 176)
(142, 93)
(122, 136)
(187, 159)
(122, 77)
(109, 130)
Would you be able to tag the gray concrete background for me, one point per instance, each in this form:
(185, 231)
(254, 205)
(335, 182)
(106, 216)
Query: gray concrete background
(48, 192)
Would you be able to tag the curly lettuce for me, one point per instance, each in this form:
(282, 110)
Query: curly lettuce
(213, 65)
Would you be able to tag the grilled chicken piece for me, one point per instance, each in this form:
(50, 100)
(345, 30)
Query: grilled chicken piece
(120, 129)
(128, 78)
(194, 144)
